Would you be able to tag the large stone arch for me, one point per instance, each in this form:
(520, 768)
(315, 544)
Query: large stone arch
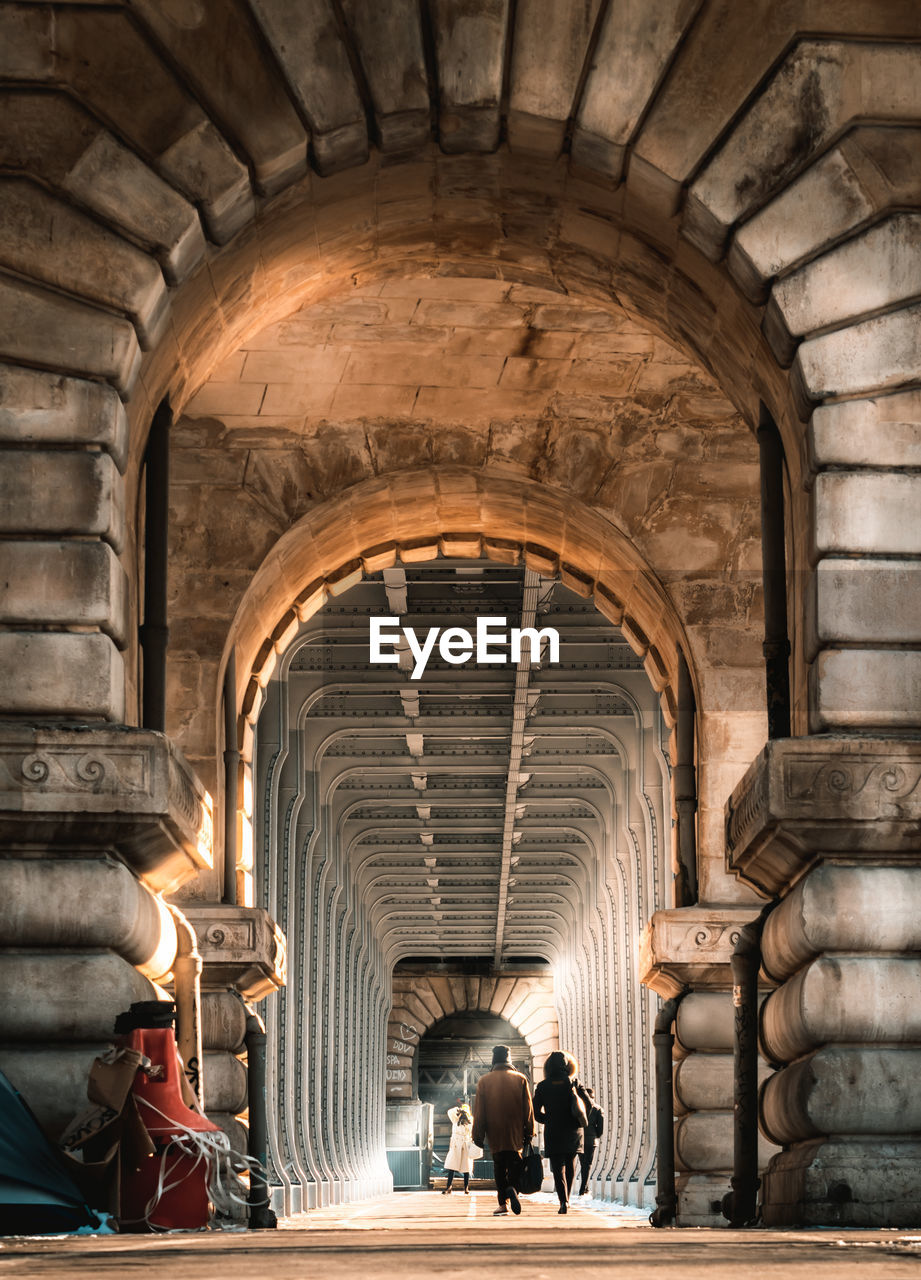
(414, 517)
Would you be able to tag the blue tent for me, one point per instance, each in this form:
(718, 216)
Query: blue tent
(38, 1196)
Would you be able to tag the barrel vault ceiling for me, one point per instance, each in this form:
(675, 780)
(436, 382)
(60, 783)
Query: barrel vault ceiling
(471, 807)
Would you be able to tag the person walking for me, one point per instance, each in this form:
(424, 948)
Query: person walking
(590, 1134)
(503, 1116)
(560, 1108)
(461, 1152)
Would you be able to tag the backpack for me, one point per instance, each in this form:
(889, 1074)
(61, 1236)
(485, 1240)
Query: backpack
(596, 1121)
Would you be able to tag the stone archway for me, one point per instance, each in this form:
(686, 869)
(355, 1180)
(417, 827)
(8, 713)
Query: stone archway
(422, 1000)
(747, 186)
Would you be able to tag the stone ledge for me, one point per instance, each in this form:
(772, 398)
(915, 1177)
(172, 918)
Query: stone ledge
(691, 947)
(118, 789)
(807, 798)
(241, 947)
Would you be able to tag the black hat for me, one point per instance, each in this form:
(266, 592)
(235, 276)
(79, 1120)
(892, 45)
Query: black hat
(499, 1054)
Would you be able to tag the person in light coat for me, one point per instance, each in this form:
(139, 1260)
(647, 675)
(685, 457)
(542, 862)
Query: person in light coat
(461, 1152)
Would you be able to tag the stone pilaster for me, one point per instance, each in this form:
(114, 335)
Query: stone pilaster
(690, 949)
(832, 825)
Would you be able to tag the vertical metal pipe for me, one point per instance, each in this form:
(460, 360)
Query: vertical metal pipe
(666, 1209)
(231, 775)
(261, 1215)
(774, 577)
(684, 780)
(740, 1205)
(154, 632)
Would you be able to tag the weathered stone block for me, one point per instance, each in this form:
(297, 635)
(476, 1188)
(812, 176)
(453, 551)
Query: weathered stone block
(872, 271)
(844, 1089)
(44, 492)
(870, 690)
(45, 905)
(885, 432)
(543, 88)
(223, 1019)
(470, 55)
(859, 999)
(703, 1140)
(225, 1083)
(310, 47)
(80, 584)
(89, 679)
(52, 1078)
(862, 602)
(125, 789)
(252, 101)
(706, 1020)
(635, 45)
(85, 340)
(867, 511)
(845, 1183)
(69, 996)
(870, 169)
(845, 909)
(700, 1197)
(46, 408)
(48, 240)
(704, 1082)
(867, 357)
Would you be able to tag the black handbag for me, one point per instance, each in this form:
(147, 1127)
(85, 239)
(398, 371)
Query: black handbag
(531, 1171)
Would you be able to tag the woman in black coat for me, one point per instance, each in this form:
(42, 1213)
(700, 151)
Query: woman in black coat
(559, 1108)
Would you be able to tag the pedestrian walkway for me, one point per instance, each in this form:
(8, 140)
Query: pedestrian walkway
(415, 1236)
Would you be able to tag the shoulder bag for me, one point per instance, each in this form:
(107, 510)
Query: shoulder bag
(531, 1172)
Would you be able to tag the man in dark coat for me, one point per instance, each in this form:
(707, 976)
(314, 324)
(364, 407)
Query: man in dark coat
(503, 1116)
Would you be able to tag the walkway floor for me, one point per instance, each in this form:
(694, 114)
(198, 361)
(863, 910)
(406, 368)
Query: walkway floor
(425, 1235)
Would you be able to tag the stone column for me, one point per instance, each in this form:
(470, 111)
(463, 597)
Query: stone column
(832, 825)
(95, 823)
(690, 949)
(243, 959)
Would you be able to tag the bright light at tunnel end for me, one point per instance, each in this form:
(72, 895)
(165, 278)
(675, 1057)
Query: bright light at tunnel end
(494, 643)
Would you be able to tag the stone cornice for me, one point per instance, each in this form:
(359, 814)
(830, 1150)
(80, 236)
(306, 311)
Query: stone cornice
(804, 799)
(691, 947)
(105, 787)
(241, 947)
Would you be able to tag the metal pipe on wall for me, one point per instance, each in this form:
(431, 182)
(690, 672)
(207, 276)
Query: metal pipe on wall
(154, 632)
(666, 1210)
(740, 1205)
(685, 783)
(776, 646)
(231, 776)
(261, 1215)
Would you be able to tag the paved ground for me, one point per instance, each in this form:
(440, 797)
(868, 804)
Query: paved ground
(423, 1235)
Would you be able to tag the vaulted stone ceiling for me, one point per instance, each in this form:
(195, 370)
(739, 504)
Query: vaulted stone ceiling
(475, 806)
